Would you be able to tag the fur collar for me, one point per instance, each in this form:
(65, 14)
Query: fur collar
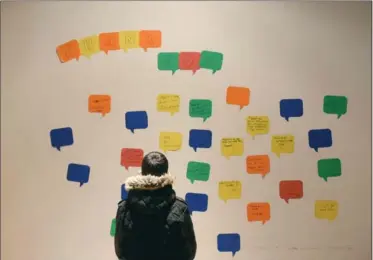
(148, 182)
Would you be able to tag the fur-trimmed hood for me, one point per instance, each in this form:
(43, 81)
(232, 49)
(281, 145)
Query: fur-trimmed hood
(148, 182)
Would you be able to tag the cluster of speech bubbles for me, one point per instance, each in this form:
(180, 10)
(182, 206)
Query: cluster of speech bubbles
(109, 41)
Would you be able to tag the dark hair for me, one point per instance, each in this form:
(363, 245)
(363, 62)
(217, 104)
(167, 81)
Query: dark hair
(154, 163)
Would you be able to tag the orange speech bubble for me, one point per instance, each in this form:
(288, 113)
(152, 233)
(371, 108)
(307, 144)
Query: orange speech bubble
(99, 104)
(291, 190)
(259, 212)
(258, 164)
(109, 41)
(238, 96)
(131, 157)
(150, 39)
(68, 51)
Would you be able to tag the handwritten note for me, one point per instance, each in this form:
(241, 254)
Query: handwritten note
(258, 164)
(168, 103)
(229, 190)
(326, 209)
(129, 40)
(260, 211)
(201, 108)
(99, 104)
(170, 141)
(282, 144)
(231, 147)
(257, 125)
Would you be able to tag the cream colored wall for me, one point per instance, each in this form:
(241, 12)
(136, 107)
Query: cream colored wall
(278, 50)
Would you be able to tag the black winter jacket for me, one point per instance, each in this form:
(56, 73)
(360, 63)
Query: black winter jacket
(153, 224)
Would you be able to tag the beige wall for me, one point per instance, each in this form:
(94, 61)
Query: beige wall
(278, 50)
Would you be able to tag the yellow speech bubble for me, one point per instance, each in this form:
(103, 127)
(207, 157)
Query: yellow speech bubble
(170, 141)
(231, 147)
(257, 125)
(230, 190)
(282, 144)
(168, 103)
(326, 209)
(89, 45)
(129, 40)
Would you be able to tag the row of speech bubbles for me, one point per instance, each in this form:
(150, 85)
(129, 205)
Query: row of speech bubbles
(190, 61)
(110, 41)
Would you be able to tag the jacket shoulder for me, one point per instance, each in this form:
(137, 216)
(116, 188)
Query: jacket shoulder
(178, 210)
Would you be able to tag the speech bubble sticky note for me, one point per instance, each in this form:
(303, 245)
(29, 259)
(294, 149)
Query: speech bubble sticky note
(291, 190)
(282, 144)
(329, 168)
(78, 173)
(201, 108)
(136, 120)
(198, 171)
(89, 45)
(109, 41)
(61, 137)
(150, 39)
(291, 108)
(168, 61)
(258, 164)
(200, 139)
(189, 61)
(230, 190)
(168, 103)
(197, 202)
(335, 105)
(113, 227)
(231, 147)
(320, 138)
(211, 60)
(123, 192)
(131, 157)
(260, 211)
(99, 104)
(326, 209)
(129, 40)
(239, 96)
(257, 125)
(68, 51)
(170, 141)
(229, 243)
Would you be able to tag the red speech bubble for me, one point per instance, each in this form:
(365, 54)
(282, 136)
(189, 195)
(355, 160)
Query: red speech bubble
(189, 61)
(131, 157)
(291, 190)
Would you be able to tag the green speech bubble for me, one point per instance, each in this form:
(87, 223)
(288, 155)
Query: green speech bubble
(211, 60)
(200, 108)
(168, 61)
(336, 105)
(329, 168)
(198, 171)
(113, 227)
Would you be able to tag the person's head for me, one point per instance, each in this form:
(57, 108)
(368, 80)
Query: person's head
(154, 163)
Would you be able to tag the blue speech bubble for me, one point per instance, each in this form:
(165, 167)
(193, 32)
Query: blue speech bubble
(61, 137)
(291, 108)
(200, 139)
(78, 173)
(136, 120)
(123, 192)
(229, 243)
(196, 202)
(320, 138)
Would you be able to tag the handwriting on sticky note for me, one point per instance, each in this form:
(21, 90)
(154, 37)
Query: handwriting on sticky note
(89, 45)
(189, 61)
(129, 40)
(131, 157)
(68, 51)
(282, 144)
(326, 209)
(109, 41)
(258, 164)
(231, 147)
(335, 105)
(230, 190)
(198, 171)
(257, 125)
(201, 108)
(170, 141)
(239, 96)
(329, 168)
(150, 39)
(168, 103)
(260, 211)
(99, 104)
(291, 190)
